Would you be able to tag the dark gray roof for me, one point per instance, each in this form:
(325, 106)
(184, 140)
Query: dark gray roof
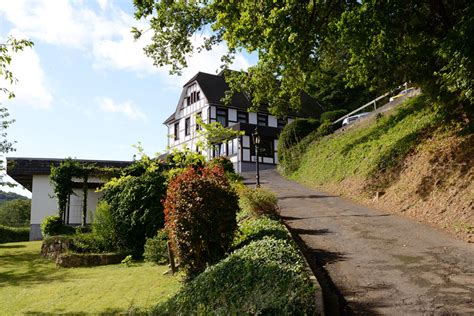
(23, 169)
(215, 86)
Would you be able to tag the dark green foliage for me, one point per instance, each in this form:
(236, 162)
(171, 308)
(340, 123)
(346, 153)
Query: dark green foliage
(88, 243)
(265, 277)
(156, 248)
(331, 116)
(291, 135)
(223, 162)
(14, 234)
(258, 202)
(15, 213)
(253, 229)
(200, 210)
(53, 225)
(135, 205)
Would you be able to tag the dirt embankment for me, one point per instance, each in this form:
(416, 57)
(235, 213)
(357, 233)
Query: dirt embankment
(433, 184)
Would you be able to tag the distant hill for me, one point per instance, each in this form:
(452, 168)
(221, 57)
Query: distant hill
(8, 196)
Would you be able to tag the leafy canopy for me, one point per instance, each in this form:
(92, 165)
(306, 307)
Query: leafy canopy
(335, 50)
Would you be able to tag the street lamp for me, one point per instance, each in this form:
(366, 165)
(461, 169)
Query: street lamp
(256, 141)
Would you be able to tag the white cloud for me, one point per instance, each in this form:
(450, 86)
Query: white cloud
(103, 34)
(31, 88)
(127, 108)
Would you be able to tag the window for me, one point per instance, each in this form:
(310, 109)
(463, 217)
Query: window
(265, 149)
(262, 120)
(221, 116)
(176, 131)
(281, 123)
(198, 127)
(242, 117)
(187, 126)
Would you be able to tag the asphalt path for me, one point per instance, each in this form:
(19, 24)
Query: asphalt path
(373, 263)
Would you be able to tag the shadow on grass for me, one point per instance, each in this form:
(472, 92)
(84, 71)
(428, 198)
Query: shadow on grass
(107, 311)
(23, 268)
(11, 246)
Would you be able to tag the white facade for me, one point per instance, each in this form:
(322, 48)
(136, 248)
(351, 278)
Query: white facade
(43, 204)
(183, 130)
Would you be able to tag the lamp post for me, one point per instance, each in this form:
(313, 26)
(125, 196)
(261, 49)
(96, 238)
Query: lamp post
(256, 141)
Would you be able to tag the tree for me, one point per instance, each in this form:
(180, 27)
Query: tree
(8, 48)
(309, 45)
(15, 213)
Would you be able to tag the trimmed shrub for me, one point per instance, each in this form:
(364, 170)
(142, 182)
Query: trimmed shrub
(53, 225)
(256, 228)
(14, 234)
(258, 202)
(136, 211)
(200, 210)
(331, 116)
(88, 243)
(223, 162)
(156, 248)
(264, 277)
(291, 135)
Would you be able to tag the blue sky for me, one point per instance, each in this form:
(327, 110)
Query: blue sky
(86, 89)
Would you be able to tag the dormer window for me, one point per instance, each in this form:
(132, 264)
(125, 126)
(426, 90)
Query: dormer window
(193, 96)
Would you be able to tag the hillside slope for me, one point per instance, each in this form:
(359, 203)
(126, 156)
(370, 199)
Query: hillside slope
(417, 164)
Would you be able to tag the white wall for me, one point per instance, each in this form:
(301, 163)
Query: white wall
(44, 204)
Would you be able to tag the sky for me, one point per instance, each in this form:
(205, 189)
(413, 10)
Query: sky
(86, 89)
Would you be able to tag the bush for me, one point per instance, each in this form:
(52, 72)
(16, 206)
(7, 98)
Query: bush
(14, 234)
(291, 135)
(200, 210)
(258, 202)
(256, 228)
(223, 162)
(331, 116)
(88, 243)
(136, 211)
(15, 213)
(264, 277)
(53, 225)
(156, 248)
(103, 226)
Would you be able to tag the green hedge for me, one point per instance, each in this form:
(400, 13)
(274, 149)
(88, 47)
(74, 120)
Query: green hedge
(266, 275)
(331, 116)
(14, 234)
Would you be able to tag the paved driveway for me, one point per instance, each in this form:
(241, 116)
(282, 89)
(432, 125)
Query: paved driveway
(376, 263)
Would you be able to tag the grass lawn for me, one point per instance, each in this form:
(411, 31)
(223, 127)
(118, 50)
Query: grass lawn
(32, 284)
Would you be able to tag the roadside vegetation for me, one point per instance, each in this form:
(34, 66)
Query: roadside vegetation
(263, 272)
(416, 159)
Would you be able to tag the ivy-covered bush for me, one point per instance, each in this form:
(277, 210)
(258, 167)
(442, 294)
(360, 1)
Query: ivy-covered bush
(331, 116)
(258, 202)
(53, 225)
(200, 210)
(136, 211)
(265, 277)
(223, 162)
(156, 248)
(14, 234)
